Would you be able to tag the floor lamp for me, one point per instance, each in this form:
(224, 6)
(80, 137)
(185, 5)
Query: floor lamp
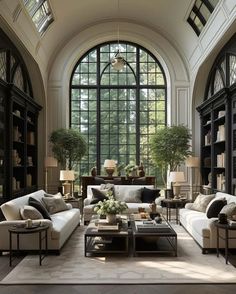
(48, 162)
(193, 163)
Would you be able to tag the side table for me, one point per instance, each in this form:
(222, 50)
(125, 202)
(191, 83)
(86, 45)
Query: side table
(174, 204)
(22, 230)
(226, 228)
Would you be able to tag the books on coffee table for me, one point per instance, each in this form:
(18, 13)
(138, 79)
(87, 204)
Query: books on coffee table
(107, 227)
(151, 226)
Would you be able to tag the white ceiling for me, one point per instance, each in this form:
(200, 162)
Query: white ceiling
(167, 17)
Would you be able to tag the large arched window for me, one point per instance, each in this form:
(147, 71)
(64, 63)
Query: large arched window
(117, 111)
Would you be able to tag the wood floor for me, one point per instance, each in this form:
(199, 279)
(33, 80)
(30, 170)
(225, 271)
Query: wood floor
(109, 289)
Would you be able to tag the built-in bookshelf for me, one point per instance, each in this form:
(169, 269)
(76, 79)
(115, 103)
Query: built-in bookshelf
(215, 124)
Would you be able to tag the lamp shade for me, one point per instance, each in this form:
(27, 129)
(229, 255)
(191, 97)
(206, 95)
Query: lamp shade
(50, 161)
(67, 175)
(109, 163)
(176, 177)
(193, 161)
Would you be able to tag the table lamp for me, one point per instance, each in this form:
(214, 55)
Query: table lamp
(176, 177)
(109, 166)
(68, 177)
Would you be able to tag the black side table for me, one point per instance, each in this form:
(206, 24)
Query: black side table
(22, 230)
(174, 204)
(226, 228)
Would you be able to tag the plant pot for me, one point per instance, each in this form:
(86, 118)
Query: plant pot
(111, 218)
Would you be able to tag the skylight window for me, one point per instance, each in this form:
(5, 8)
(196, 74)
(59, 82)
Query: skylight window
(40, 12)
(200, 13)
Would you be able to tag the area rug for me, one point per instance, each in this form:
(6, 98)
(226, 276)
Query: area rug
(71, 267)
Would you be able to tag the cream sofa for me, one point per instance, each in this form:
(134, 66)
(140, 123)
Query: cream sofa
(61, 225)
(120, 191)
(201, 228)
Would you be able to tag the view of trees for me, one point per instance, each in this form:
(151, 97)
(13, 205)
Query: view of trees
(117, 111)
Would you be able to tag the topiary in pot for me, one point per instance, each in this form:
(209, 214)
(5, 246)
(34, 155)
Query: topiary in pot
(170, 147)
(68, 147)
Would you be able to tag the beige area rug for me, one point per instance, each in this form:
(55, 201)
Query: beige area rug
(71, 267)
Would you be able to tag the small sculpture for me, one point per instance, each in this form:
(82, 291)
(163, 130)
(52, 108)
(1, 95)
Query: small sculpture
(94, 171)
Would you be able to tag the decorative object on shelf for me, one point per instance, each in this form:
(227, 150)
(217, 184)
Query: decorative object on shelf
(193, 162)
(131, 170)
(68, 177)
(49, 161)
(16, 134)
(109, 166)
(29, 161)
(68, 147)
(110, 207)
(176, 177)
(15, 158)
(28, 180)
(93, 171)
(17, 113)
(141, 172)
(170, 147)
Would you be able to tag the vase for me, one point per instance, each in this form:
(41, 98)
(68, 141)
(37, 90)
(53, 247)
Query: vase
(111, 218)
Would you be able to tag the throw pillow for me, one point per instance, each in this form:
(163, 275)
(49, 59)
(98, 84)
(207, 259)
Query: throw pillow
(215, 207)
(201, 202)
(133, 196)
(54, 204)
(98, 195)
(36, 204)
(149, 195)
(31, 212)
(52, 195)
(229, 209)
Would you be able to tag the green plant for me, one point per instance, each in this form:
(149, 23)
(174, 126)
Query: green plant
(130, 168)
(110, 206)
(68, 147)
(170, 147)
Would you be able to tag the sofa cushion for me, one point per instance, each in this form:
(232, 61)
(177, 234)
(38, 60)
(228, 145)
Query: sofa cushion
(54, 204)
(214, 207)
(30, 212)
(229, 209)
(98, 195)
(133, 196)
(201, 202)
(149, 195)
(122, 190)
(35, 203)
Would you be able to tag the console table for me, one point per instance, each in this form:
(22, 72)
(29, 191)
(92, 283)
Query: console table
(116, 180)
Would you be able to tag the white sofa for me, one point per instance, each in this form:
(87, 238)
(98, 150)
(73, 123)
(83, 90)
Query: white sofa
(61, 225)
(201, 228)
(119, 191)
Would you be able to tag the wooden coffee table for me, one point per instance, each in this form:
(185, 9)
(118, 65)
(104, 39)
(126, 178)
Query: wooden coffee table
(150, 241)
(105, 241)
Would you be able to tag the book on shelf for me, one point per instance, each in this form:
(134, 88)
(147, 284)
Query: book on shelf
(220, 136)
(208, 138)
(221, 113)
(220, 160)
(220, 182)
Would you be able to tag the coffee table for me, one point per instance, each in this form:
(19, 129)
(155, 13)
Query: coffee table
(159, 240)
(105, 241)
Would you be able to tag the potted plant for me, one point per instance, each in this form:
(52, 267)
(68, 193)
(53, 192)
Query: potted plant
(131, 169)
(110, 207)
(68, 147)
(170, 147)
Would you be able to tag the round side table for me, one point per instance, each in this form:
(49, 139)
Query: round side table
(174, 204)
(42, 232)
(226, 228)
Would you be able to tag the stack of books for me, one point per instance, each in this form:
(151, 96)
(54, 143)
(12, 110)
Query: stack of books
(151, 227)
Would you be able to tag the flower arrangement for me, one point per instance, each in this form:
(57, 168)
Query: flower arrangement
(110, 206)
(130, 168)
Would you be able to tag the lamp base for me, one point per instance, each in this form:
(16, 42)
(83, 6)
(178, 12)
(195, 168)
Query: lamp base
(110, 172)
(176, 191)
(66, 188)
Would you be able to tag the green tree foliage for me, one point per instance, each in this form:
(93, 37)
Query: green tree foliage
(68, 147)
(170, 147)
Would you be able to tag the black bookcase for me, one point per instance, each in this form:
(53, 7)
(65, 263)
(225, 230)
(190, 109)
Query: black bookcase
(216, 128)
(18, 147)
